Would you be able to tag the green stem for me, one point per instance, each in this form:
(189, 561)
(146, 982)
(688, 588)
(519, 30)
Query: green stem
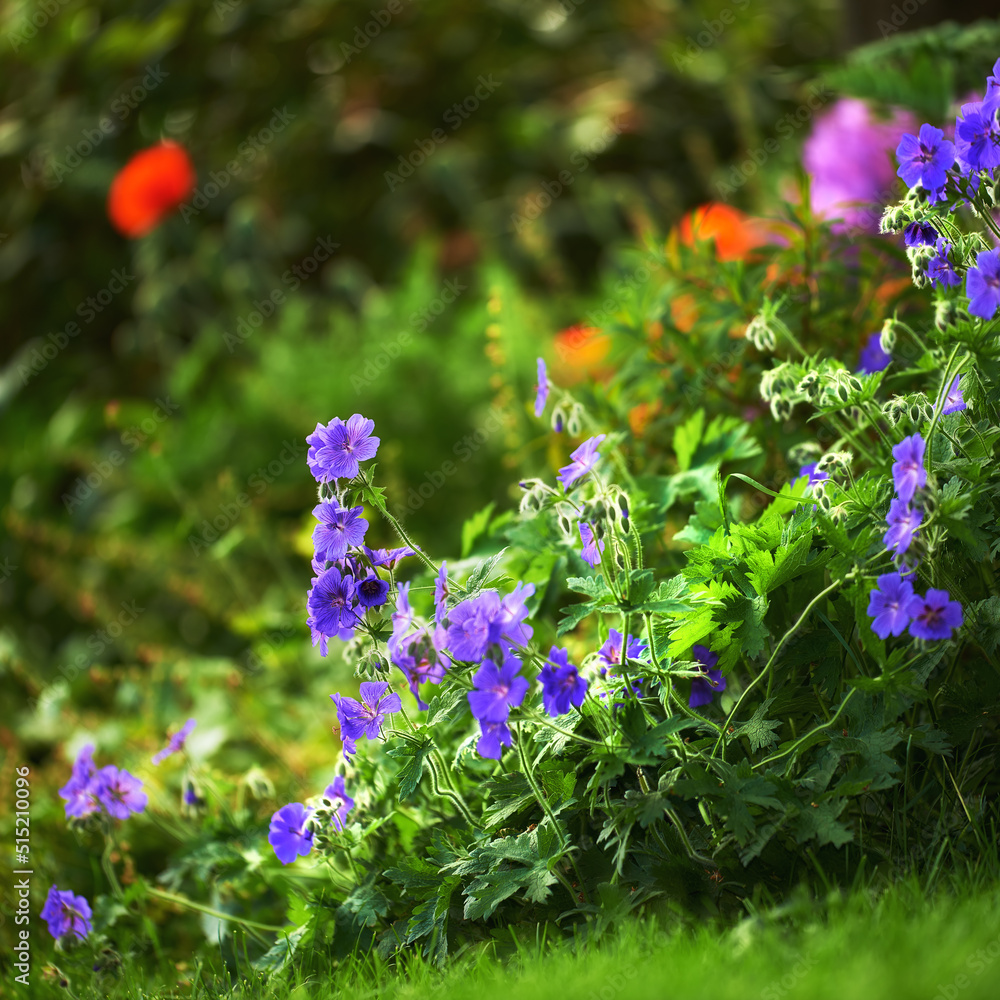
(804, 737)
(777, 649)
(192, 905)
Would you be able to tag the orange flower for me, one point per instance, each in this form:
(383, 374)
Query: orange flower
(151, 185)
(735, 233)
(580, 350)
(684, 312)
(640, 416)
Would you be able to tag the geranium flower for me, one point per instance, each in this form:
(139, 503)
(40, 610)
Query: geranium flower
(703, 689)
(288, 834)
(66, 914)
(934, 616)
(888, 605)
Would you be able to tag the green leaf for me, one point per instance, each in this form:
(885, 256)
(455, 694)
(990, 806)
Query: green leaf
(686, 438)
(475, 526)
(482, 570)
(759, 730)
(282, 951)
(413, 750)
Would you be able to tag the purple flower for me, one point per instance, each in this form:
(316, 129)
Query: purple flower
(953, 400)
(703, 689)
(509, 624)
(541, 388)
(815, 475)
(495, 735)
(372, 592)
(338, 529)
(977, 138)
(908, 472)
(66, 914)
(485, 620)
(918, 234)
(584, 460)
(903, 521)
(561, 683)
(849, 159)
(982, 284)
(611, 651)
(940, 268)
(498, 690)
(872, 358)
(934, 616)
(342, 802)
(441, 594)
(389, 558)
(176, 743)
(330, 605)
(335, 450)
(925, 160)
(289, 835)
(365, 717)
(420, 658)
(888, 604)
(80, 792)
(469, 626)
(590, 553)
(119, 792)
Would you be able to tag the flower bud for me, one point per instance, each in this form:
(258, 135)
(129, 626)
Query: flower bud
(887, 338)
(575, 423)
(558, 419)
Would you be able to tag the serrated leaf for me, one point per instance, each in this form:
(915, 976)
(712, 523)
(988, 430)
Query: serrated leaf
(482, 571)
(413, 750)
(759, 730)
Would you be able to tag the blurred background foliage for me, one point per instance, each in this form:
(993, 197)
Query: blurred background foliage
(136, 586)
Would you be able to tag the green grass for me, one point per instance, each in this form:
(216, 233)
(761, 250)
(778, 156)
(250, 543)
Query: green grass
(901, 943)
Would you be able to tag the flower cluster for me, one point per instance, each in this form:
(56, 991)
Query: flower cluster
(111, 789)
(296, 828)
(895, 607)
(941, 172)
(346, 581)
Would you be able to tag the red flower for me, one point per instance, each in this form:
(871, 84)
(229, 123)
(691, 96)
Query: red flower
(152, 184)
